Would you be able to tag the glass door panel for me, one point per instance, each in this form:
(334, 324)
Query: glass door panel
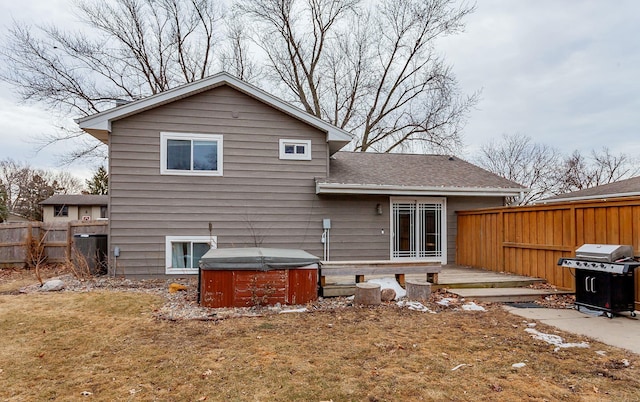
(417, 229)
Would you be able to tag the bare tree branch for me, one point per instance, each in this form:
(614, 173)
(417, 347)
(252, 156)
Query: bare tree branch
(369, 68)
(133, 48)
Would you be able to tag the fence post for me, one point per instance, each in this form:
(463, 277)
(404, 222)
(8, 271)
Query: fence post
(500, 241)
(69, 240)
(27, 244)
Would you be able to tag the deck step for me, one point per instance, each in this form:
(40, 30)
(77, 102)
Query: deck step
(506, 295)
(515, 283)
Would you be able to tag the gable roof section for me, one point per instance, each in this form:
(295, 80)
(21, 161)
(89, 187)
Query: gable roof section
(623, 188)
(411, 174)
(76, 199)
(99, 124)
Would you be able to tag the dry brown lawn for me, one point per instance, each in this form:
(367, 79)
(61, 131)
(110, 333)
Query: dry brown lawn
(109, 346)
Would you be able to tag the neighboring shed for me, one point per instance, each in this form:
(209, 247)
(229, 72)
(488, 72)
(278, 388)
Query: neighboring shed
(75, 207)
(13, 218)
(623, 188)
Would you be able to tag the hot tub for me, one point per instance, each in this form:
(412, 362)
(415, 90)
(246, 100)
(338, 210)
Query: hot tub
(245, 277)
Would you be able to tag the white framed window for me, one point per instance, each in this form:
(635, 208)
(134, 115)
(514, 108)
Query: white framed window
(191, 154)
(60, 210)
(182, 253)
(299, 150)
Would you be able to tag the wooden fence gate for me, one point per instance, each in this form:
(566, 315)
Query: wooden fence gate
(529, 240)
(57, 239)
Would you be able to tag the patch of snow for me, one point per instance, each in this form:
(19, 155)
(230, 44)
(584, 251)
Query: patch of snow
(390, 283)
(555, 340)
(518, 365)
(601, 352)
(413, 305)
(445, 301)
(458, 366)
(531, 324)
(471, 306)
(52, 285)
(625, 362)
(295, 310)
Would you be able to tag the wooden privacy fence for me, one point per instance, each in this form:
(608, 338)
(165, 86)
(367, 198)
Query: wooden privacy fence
(529, 240)
(57, 239)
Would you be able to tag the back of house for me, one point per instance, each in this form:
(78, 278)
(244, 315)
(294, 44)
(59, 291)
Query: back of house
(221, 163)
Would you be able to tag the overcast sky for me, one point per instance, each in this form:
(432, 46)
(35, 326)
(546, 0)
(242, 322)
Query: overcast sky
(564, 72)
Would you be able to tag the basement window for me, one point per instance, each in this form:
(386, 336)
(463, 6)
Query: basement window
(183, 253)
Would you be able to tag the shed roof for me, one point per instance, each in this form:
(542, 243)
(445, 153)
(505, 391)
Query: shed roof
(623, 188)
(411, 174)
(99, 124)
(76, 199)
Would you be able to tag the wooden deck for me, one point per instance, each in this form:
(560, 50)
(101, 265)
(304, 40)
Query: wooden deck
(456, 276)
(451, 277)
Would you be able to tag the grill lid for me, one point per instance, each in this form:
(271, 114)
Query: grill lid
(604, 252)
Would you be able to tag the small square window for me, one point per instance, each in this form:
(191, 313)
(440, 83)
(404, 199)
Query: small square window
(60, 210)
(295, 149)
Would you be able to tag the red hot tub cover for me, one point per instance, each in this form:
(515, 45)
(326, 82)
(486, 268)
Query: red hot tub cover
(256, 259)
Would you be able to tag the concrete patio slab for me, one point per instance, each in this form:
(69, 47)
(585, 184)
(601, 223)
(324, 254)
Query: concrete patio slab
(622, 331)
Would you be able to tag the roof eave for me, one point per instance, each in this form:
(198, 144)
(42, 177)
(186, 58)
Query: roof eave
(589, 197)
(375, 189)
(100, 123)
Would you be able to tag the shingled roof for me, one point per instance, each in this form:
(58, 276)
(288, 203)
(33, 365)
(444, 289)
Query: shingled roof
(384, 173)
(623, 188)
(76, 199)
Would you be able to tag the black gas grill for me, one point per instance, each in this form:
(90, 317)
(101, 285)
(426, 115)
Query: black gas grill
(604, 277)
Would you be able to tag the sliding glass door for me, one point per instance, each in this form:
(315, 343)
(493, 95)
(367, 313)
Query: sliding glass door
(418, 229)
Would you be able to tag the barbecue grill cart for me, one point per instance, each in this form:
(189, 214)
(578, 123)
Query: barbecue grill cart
(604, 277)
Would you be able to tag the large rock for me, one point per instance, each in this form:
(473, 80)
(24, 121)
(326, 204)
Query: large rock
(53, 285)
(388, 295)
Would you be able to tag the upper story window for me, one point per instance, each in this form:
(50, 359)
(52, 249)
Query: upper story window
(191, 154)
(295, 149)
(60, 210)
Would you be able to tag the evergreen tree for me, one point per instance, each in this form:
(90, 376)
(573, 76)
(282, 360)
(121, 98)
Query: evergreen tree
(99, 182)
(37, 189)
(4, 208)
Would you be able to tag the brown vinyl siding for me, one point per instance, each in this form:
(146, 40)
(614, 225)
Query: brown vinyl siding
(259, 198)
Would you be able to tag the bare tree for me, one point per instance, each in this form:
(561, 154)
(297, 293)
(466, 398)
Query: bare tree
(238, 56)
(134, 48)
(369, 68)
(546, 172)
(25, 187)
(519, 159)
(578, 172)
